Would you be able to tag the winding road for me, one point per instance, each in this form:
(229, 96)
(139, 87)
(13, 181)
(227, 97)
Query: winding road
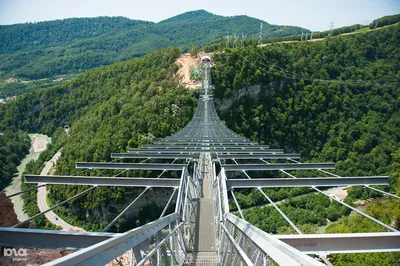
(42, 199)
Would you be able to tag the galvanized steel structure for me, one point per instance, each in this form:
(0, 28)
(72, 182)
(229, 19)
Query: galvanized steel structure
(201, 228)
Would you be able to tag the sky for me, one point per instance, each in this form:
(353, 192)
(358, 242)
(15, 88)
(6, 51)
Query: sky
(315, 15)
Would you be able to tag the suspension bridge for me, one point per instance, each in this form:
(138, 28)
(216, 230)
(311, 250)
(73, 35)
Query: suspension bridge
(201, 230)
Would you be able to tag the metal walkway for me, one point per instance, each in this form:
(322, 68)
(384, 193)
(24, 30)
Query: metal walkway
(205, 229)
(201, 230)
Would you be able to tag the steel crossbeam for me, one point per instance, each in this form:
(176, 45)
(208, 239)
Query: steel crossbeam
(210, 138)
(204, 145)
(205, 149)
(259, 156)
(140, 166)
(204, 135)
(307, 182)
(277, 166)
(215, 143)
(309, 244)
(154, 156)
(50, 239)
(344, 243)
(103, 181)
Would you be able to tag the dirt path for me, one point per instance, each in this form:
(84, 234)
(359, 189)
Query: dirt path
(185, 61)
(38, 144)
(338, 192)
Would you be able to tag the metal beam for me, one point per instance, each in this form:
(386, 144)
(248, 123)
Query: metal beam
(208, 141)
(259, 156)
(307, 182)
(206, 149)
(344, 243)
(277, 166)
(154, 156)
(105, 251)
(203, 135)
(50, 239)
(249, 143)
(141, 166)
(310, 244)
(210, 138)
(103, 181)
(204, 145)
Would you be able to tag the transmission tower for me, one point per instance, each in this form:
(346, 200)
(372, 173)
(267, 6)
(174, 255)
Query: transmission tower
(243, 38)
(302, 36)
(227, 40)
(311, 36)
(235, 37)
(260, 35)
(332, 24)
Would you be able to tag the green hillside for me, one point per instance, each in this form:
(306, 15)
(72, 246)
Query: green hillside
(110, 109)
(333, 100)
(45, 49)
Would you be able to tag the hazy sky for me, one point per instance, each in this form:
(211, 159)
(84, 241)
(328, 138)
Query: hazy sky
(310, 14)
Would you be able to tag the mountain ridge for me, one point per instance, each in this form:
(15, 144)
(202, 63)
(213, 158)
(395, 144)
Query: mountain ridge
(45, 49)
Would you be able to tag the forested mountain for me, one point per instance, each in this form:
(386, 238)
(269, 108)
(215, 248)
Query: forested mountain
(334, 100)
(110, 109)
(44, 49)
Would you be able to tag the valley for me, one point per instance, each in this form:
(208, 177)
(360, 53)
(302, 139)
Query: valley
(38, 144)
(129, 84)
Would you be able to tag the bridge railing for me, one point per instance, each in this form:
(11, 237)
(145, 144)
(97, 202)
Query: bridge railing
(220, 200)
(169, 248)
(162, 242)
(241, 243)
(136, 241)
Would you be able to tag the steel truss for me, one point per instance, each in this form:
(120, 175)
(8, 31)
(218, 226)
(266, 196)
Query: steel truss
(103, 181)
(166, 241)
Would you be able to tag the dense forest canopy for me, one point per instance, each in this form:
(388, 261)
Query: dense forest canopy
(333, 100)
(109, 109)
(45, 49)
(13, 147)
(306, 36)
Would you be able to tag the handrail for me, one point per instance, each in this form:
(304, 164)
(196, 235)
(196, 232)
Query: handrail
(280, 252)
(242, 254)
(180, 195)
(105, 251)
(158, 245)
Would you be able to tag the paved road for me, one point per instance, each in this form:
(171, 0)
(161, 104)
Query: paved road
(38, 144)
(42, 196)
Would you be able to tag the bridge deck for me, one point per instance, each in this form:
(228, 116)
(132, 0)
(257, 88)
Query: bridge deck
(205, 229)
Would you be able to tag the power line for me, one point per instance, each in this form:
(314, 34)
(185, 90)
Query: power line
(292, 75)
